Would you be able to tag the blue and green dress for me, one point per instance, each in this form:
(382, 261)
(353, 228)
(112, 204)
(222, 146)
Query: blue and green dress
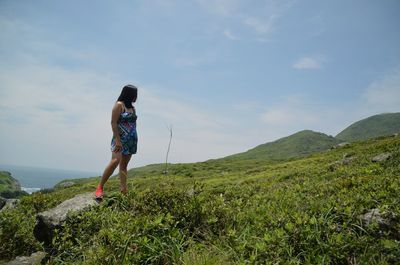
(127, 133)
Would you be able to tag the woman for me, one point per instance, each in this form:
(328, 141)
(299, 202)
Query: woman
(124, 140)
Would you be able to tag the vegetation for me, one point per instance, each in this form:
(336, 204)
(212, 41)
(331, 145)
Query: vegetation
(9, 187)
(374, 126)
(296, 145)
(229, 211)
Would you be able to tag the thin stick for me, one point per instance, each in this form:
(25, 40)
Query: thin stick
(169, 146)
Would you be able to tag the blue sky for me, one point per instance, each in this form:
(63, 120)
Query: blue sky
(226, 74)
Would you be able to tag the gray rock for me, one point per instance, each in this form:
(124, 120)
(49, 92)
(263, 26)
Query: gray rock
(2, 202)
(347, 160)
(386, 224)
(190, 192)
(9, 204)
(373, 215)
(381, 157)
(47, 221)
(66, 184)
(340, 145)
(34, 259)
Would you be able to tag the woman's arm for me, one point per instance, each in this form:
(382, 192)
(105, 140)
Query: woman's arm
(116, 111)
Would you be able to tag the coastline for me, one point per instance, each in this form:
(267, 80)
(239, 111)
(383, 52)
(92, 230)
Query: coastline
(30, 190)
(33, 179)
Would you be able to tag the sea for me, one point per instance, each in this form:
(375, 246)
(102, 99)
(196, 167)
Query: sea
(36, 178)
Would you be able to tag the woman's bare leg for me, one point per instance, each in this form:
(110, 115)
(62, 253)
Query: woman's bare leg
(123, 172)
(115, 160)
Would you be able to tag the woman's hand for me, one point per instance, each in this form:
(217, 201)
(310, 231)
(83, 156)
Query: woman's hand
(118, 146)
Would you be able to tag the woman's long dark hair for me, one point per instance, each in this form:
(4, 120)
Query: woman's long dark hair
(128, 95)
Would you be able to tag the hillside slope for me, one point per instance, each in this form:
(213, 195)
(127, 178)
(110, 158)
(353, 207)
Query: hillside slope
(9, 186)
(374, 126)
(311, 210)
(296, 145)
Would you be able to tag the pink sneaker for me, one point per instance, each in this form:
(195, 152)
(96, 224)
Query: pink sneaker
(99, 192)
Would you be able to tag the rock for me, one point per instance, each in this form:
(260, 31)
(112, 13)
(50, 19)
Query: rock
(373, 215)
(66, 184)
(190, 192)
(47, 221)
(381, 157)
(9, 204)
(387, 225)
(34, 259)
(340, 145)
(345, 161)
(2, 202)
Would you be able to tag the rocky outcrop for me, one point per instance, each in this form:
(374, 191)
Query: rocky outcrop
(387, 223)
(340, 145)
(65, 184)
(34, 259)
(374, 215)
(381, 157)
(49, 220)
(345, 161)
(8, 204)
(2, 202)
(12, 182)
(9, 186)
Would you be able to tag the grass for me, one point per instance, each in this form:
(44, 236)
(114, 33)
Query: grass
(374, 126)
(9, 187)
(298, 211)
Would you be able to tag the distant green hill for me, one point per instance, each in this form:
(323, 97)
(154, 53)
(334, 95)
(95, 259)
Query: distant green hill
(9, 186)
(7, 182)
(296, 145)
(374, 126)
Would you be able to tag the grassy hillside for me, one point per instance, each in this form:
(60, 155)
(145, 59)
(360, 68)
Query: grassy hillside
(7, 182)
(296, 145)
(374, 126)
(302, 211)
(9, 186)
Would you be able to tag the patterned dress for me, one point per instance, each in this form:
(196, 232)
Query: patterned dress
(127, 132)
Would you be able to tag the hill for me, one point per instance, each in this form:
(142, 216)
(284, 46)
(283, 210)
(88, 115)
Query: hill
(296, 145)
(9, 186)
(374, 126)
(310, 210)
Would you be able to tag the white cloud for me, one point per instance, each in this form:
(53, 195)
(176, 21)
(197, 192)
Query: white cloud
(221, 7)
(187, 61)
(259, 25)
(60, 118)
(297, 113)
(384, 94)
(228, 34)
(260, 21)
(192, 59)
(248, 106)
(308, 63)
(292, 112)
(51, 116)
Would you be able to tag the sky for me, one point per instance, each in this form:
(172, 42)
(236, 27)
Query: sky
(225, 75)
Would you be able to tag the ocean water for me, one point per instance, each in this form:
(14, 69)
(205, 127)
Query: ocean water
(36, 178)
